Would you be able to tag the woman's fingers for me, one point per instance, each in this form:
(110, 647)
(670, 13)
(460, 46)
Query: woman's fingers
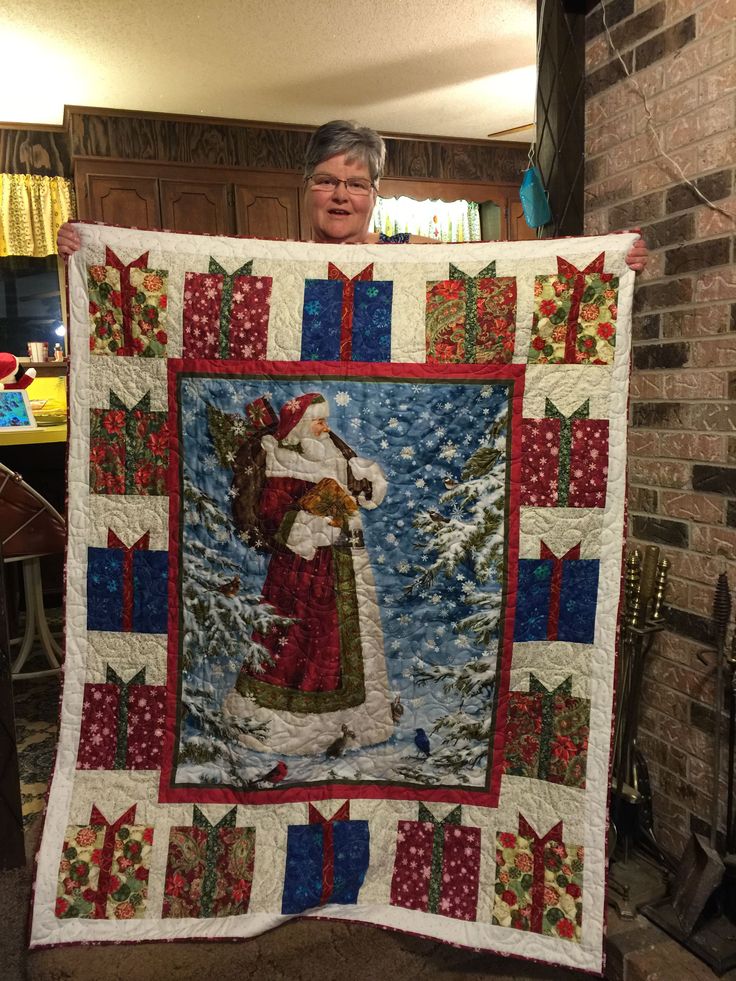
(68, 240)
(638, 255)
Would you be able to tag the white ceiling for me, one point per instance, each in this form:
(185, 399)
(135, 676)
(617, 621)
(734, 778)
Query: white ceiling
(463, 68)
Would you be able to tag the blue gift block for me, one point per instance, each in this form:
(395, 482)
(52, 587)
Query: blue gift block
(578, 598)
(322, 320)
(150, 592)
(304, 863)
(105, 590)
(372, 321)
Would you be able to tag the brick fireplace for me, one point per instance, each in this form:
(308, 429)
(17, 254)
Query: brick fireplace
(682, 435)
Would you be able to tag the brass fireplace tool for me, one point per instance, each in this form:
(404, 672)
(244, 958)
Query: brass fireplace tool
(631, 810)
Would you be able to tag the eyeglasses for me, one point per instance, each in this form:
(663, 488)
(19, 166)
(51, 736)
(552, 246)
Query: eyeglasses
(353, 185)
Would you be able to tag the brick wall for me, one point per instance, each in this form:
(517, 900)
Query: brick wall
(682, 436)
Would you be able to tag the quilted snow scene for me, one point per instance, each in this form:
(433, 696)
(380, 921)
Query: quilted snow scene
(343, 572)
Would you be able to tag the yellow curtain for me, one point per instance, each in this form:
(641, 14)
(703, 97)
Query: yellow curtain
(31, 210)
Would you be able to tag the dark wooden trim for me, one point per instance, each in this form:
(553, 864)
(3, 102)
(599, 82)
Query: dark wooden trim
(289, 127)
(38, 127)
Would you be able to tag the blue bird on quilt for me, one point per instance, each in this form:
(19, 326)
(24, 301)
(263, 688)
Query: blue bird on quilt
(421, 741)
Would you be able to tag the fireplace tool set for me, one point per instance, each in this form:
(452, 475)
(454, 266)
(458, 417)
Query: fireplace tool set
(631, 800)
(701, 910)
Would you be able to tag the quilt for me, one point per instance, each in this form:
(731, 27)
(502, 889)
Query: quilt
(343, 573)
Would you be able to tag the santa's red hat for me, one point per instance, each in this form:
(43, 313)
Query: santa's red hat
(309, 406)
(8, 365)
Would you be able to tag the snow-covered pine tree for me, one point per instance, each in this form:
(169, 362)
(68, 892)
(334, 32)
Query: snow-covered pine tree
(218, 622)
(469, 541)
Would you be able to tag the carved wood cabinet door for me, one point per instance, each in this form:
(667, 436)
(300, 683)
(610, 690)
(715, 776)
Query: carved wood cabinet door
(268, 206)
(119, 199)
(196, 206)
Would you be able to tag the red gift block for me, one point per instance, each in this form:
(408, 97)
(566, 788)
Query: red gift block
(99, 736)
(146, 718)
(437, 867)
(540, 462)
(588, 464)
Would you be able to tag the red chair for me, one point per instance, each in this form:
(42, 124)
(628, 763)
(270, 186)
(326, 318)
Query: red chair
(30, 528)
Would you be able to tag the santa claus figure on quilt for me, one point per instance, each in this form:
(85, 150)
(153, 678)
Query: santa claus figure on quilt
(327, 674)
(9, 367)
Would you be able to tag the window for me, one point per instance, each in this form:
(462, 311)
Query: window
(30, 304)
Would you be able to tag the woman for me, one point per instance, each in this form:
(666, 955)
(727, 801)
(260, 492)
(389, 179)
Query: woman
(342, 168)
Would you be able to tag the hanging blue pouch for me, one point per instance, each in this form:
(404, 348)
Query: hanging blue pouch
(533, 199)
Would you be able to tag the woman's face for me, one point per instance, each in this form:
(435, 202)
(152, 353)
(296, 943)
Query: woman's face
(336, 215)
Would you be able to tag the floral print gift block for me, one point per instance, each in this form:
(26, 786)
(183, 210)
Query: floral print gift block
(539, 883)
(127, 308)
(471, 319)
(104, 868)
(209, 871)
(547, 734)
(575, 315)
(129, 449)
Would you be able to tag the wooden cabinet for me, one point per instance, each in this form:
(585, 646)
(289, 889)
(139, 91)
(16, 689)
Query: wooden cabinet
(196, 206)
(234, 201)
(266, 207)
(206, 200)
(520, 231)
(121, 200)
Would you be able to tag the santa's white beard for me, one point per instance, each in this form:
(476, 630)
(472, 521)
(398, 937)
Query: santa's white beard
(319, 449)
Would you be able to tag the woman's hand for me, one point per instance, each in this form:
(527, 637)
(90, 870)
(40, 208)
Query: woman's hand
(68, 240)
(638, 255)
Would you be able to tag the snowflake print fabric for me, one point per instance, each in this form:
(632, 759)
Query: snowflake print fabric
(343, 567)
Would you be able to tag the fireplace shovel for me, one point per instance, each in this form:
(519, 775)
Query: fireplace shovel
(702, 869)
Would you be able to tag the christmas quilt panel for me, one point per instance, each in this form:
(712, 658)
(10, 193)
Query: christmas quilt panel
(343, 571)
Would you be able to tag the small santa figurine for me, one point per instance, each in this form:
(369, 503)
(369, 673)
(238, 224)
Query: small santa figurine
(9, 367)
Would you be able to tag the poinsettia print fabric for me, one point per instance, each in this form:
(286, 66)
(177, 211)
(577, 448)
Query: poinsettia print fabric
(209, 872)
(415, 452)
(547, 734)
(129, 449)
(471, 320)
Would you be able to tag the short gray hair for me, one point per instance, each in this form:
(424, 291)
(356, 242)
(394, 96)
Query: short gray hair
(344, 136)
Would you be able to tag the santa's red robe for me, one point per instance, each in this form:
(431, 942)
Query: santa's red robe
(327, 668)
(307, 654)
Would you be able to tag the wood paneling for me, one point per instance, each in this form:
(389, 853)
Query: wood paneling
(196, 206)
(221, 143)
(251, 183)
(31, 151)
(218, 201)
